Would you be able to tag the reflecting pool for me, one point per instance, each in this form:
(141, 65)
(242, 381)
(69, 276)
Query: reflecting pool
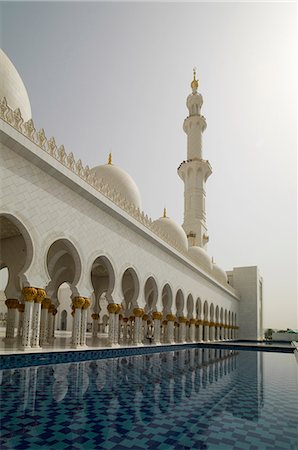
(186, 399)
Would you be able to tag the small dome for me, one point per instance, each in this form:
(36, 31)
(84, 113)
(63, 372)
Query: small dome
(200, 257)
(119, 180)
(219, 274)
(12, 87)
(174, 231)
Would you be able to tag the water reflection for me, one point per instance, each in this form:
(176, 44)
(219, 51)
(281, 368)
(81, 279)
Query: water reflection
(120, 394)
(164, 378)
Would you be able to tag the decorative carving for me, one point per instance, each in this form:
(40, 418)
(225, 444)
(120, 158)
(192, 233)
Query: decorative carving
(4, 108)
(70, 161)
(61, 154)
(29, 129)
(41, 138)
(78, 167)
(52, 147)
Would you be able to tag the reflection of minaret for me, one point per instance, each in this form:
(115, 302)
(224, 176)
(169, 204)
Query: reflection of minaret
(195, 171)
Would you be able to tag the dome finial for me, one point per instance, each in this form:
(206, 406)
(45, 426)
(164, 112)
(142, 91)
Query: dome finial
(110, 158)
(194, 83)
(165, 213)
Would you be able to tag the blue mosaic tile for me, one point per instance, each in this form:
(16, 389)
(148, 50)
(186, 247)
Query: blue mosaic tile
(190, 398)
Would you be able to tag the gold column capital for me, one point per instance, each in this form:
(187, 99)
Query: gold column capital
(138, 312)
(78, 302)
(157, 315)
(112, 308)
(12, 303)
(40, 295)
(87, 303)
(46, 303)
(29, 293)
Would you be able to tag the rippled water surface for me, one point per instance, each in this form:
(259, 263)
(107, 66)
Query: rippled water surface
(187, 399)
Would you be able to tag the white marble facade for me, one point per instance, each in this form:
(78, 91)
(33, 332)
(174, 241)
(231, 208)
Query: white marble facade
(137, 280)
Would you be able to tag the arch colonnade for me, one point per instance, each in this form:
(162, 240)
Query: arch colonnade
(137, 311)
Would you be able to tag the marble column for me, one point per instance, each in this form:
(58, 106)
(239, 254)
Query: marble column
(112, 308)
(29, 294)
(117, 325)
(144, 327)
(157, 316)
(170, 328)
(181, 330)
(95, 317)
(137, 338)
(200, 331)
(77, 304)
(21, 309)
(40, 296)
(216, 332)
(45, 304)
(12, 306)
(211, 331)
(125, 331)
(192, 330)
(206, 330)
(84, 322)
(50, 322)
(54, 313)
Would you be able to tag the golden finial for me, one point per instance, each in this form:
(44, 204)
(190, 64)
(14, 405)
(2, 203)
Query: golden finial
(194, 83)
(165, 213)
(110, 159)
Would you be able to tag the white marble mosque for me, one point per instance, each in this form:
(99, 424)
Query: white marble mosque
(86, 264)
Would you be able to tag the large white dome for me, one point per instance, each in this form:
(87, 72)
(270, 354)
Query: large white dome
(200, 257)
(12, 87)
(174, 231)
(219, 274)
(119, 180)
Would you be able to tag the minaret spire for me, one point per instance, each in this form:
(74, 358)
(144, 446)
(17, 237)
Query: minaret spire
(195, 170)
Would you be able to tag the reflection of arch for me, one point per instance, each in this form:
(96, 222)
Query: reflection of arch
(179, 302)
(63, 325)
(198, 308)
(63, 264)
(190, 306)
(151, 294)
(16, 252)
(130, 289)
(167, 300)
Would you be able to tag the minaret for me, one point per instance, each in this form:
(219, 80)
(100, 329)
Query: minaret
(195, 171)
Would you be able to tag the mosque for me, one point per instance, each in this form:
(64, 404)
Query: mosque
(82, 257)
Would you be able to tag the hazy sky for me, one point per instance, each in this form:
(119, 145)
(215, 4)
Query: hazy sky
(115, 76)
